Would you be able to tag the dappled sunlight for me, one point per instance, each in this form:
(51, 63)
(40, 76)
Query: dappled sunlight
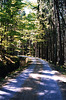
(35, 76)
(40, 93)
(27, 88)
(41, 83)
(2, 92)
(14, 85)
(63, 79)
(46, 92)
(13, 80)
(49, 72)
(32, 28)
(46, 75)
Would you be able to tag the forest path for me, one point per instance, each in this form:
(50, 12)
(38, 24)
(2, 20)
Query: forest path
(37, 82)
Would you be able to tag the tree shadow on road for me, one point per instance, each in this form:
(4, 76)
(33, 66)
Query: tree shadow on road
(36, 83)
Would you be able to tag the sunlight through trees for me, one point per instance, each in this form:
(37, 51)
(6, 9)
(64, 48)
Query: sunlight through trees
(34, 29)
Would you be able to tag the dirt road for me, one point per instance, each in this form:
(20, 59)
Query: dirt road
(38, 82)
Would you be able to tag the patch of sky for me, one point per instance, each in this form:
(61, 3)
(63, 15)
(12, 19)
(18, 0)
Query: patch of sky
(27, 10)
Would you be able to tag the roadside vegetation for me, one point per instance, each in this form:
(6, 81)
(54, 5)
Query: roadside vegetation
(39, 33)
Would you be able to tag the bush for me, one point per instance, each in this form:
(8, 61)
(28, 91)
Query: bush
(8, 67)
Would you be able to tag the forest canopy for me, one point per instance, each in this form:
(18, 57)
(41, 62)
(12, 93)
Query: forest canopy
(33, 28)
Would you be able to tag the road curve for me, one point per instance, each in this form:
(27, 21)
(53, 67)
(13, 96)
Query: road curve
(37, 82)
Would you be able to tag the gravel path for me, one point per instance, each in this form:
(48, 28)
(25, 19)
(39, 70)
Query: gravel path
(35, 83)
